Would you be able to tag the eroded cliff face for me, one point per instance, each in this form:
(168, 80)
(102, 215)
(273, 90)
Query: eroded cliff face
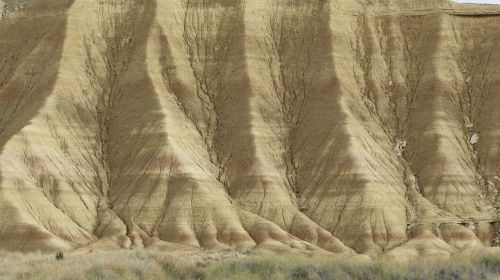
(365, 127)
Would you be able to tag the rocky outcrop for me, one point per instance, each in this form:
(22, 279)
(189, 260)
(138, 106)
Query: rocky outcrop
(319, 125)
(9, 6)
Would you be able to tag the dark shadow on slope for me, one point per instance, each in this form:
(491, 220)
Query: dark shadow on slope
(217, 62)
(136, 127)
(479, 40)
(435, 103)
(424, 93)
(28, 70)
(489, 115)
(329, 183)
(303, 103)
(22, 94)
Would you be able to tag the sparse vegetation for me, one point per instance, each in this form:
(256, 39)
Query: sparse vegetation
(59, 256)
(233, 265)
(293, 126)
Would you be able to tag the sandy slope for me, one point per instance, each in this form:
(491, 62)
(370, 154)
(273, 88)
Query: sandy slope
(342, 126)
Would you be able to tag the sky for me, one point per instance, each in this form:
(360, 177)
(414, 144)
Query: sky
(479, 1)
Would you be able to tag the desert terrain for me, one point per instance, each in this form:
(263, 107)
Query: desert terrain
(365, 128)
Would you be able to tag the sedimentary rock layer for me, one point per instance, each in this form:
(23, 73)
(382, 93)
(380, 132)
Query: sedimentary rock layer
(338, 126)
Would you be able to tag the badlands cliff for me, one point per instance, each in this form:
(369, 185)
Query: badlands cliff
(348, 126)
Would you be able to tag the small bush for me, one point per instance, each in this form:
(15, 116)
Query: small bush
(59, 256)
(101, 272)
(491, 262)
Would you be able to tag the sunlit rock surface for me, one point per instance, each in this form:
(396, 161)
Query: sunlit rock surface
(367, 127)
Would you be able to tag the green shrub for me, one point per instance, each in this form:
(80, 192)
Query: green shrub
(59, 256)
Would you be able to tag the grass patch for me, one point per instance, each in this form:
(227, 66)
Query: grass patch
(208, 265)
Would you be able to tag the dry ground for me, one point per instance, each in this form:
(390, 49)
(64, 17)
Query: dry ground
(231, 264)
